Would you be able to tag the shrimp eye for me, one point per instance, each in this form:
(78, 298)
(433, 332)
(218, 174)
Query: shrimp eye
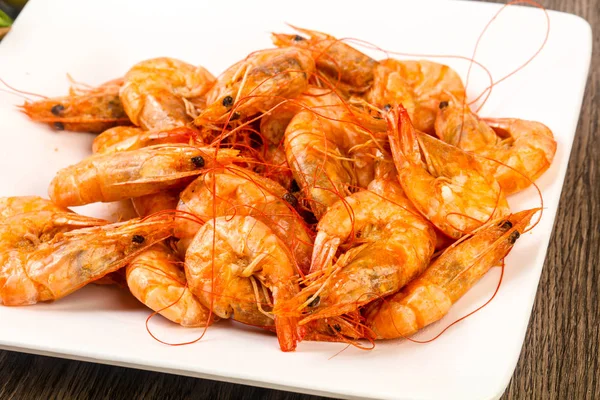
(227, 101)
(57, 109)
(234, 116)
(139, 239)
(505, 224)
(298, 38)
(290, 198)
(387, 107)
(513, 237)
(337, 328)
(443, 104)
(315, 302)
(59, 126)
(198, 161)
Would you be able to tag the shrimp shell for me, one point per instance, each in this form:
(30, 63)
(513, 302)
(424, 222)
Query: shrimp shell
(35, 269)
(155, 279)
(449, 188)
(91, 110)
(258, 83)
(225, 254)
(346, 68)
(153, 92)
(135, 173)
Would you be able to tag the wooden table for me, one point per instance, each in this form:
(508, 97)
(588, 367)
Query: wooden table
(560, 358)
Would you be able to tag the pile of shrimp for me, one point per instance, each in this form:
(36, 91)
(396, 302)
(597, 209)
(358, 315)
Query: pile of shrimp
(309, 190)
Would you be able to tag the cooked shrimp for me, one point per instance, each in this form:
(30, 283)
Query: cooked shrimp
(154, 90)
(346, 68)
(229, 252)
(123, 138)
(515, 151)
(330, 157)
(419, 86)
(235, 191)
(429, 297)
(155, 279)
(256, 84)
(449, 188)
(134, 173)
(526, 146)
(83, 110)
(52, 223)
(384, 244)
(43, 258)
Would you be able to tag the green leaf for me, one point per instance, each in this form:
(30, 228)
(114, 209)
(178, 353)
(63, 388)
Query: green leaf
(4, 20)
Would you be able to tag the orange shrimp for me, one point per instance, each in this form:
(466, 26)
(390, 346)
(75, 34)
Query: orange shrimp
(134, 173)
(527, 147)
(450, 187)
(515, 151)
(154, 278)
(419, 86)
(11, 206)
(429, 297)
(346, 68)
(83, 110)
(383, 243)
(44, 259)
(154, 90)
(331, 152)
(256, 84)
(232, 252)
(235, 191)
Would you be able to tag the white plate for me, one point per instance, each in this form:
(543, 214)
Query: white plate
(97, 41)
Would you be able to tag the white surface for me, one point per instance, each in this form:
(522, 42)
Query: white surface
(97, 41)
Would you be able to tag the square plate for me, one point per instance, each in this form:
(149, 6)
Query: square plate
(95, 41)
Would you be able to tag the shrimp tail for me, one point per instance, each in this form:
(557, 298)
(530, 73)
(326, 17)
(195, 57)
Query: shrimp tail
(324, 251)
(289, 333)
(403, 138)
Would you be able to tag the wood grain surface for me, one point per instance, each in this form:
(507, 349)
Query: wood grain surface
(561, 351)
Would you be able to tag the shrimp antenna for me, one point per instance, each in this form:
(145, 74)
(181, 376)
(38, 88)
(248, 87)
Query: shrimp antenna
(21, 92)
(537, 52)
